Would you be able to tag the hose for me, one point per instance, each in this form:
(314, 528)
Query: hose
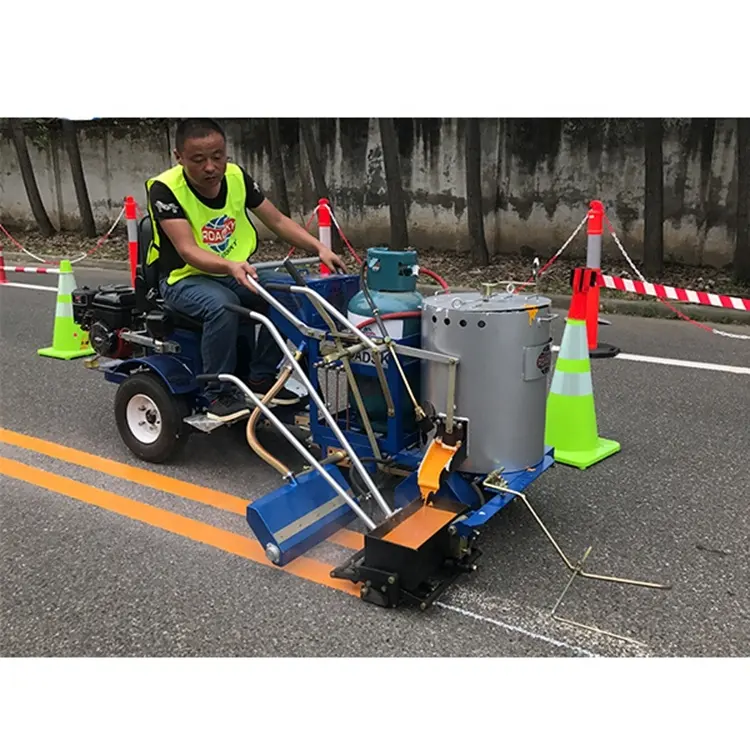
(431, 274)
(252, 438)
(392, 316)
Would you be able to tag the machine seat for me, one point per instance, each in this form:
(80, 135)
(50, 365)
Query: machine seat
(148, 277)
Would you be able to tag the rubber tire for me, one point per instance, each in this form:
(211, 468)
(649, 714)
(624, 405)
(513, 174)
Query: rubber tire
(173, 410)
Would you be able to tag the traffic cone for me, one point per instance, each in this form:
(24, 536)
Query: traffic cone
(571, 415)
(68, 340)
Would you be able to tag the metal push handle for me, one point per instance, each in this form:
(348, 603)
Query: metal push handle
(278, 338)
(282, 428)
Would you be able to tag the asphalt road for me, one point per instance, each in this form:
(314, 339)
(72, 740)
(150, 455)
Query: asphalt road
(98, 562)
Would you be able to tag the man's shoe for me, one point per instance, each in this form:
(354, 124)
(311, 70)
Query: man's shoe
(226, 407)
(284, 397)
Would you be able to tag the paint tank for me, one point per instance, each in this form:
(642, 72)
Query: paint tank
(504, 346)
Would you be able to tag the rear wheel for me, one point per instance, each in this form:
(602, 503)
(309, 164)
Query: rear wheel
(150, 419)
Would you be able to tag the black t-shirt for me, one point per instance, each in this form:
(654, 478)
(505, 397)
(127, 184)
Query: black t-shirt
(164, 205)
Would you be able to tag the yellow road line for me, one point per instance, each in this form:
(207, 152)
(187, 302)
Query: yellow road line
(152, 479)
(310, 570)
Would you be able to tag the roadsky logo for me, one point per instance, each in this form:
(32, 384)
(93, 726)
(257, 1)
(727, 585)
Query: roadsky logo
(218, 232)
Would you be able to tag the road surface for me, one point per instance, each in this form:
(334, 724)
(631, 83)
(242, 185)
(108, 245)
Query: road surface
(104, 555)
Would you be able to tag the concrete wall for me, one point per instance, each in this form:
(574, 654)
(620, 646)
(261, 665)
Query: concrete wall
(538, 177)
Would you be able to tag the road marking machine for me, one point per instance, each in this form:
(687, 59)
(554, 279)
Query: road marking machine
(440, 399)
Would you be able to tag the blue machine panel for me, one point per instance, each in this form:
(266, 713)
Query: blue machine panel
(300, 515)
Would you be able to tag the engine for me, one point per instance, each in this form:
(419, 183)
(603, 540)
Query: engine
(104, 313)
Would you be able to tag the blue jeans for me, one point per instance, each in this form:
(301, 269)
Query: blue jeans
(228, 342)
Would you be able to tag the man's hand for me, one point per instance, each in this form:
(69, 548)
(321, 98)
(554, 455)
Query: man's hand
(240, 271)
(331, 260)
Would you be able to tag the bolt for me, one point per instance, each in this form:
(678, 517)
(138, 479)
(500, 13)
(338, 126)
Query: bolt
(391, 580)
(384, 589)
(423, 606)
(452, 530)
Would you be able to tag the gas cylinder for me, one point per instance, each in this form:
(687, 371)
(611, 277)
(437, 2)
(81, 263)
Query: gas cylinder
(392, 285)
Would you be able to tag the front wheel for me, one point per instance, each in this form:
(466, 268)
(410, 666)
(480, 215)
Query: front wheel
(150, 419)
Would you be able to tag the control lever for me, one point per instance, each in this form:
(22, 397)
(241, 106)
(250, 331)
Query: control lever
(291, 269)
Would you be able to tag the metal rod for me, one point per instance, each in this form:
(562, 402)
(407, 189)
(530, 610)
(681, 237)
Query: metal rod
(451, 397)
(263, 320)
(281, 427)
(274, 264)
(582, 573)
(288, 314)
(312, 294)
(343, 356)
(410, 351)
(390, 406)
(572, 578)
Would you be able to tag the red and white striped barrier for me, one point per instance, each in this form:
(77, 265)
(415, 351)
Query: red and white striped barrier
(24, 269)
(669, 292)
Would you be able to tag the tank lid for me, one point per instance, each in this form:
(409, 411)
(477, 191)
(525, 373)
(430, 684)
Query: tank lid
(475, 302)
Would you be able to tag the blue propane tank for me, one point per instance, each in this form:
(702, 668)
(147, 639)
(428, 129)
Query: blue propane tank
(392, 283)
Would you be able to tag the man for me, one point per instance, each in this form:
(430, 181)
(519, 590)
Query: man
(203, 238)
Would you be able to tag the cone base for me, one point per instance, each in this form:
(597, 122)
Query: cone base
(66, 354)
(602, 351)
(583, 459)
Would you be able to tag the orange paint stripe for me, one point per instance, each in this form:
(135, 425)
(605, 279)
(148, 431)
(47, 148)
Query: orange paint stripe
(346, 538)
(215, 498)
(310, 570)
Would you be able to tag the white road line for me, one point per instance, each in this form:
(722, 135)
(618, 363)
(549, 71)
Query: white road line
(714, 367)
(517, 629)
(29, 286)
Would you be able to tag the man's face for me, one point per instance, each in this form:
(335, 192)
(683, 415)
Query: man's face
(205, 161)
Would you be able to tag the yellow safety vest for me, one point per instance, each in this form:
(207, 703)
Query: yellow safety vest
(227, 232)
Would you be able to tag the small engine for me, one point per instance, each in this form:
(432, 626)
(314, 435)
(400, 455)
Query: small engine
(103, 313)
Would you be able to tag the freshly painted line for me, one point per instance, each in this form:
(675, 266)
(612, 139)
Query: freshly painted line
(517, 629)
(134, 474)
(153, 480)
(712, 366)
(302, 567)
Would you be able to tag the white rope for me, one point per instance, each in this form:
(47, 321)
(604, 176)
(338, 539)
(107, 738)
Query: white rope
(106, 236)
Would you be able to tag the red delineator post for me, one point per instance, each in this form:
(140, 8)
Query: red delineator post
(132, 222)
(3, 277)
(595, 221)
(324, 230)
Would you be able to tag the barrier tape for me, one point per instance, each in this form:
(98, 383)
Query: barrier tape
(57, 262)
(677, 312)
(31, 269)
(670, 292)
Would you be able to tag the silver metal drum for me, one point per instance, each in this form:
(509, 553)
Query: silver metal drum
(505, 349)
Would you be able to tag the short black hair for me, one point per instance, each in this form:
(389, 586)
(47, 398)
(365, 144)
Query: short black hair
(195, 127)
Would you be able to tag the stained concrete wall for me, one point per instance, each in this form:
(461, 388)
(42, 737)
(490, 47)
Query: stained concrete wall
(537, 178)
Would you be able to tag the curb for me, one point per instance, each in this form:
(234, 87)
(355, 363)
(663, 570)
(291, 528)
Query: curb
(637, 308)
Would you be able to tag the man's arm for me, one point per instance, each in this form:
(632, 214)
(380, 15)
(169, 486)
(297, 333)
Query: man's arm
(172, 222)
(285, 228)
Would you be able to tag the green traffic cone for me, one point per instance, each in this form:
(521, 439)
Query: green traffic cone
(571, 414)
(68, 339)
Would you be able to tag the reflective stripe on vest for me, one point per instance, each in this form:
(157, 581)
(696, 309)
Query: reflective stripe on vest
(226, 232)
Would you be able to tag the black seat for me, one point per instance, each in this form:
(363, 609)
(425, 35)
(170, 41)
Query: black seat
(147, 292)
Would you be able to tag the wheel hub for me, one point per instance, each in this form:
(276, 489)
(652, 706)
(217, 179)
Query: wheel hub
(143, 418)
